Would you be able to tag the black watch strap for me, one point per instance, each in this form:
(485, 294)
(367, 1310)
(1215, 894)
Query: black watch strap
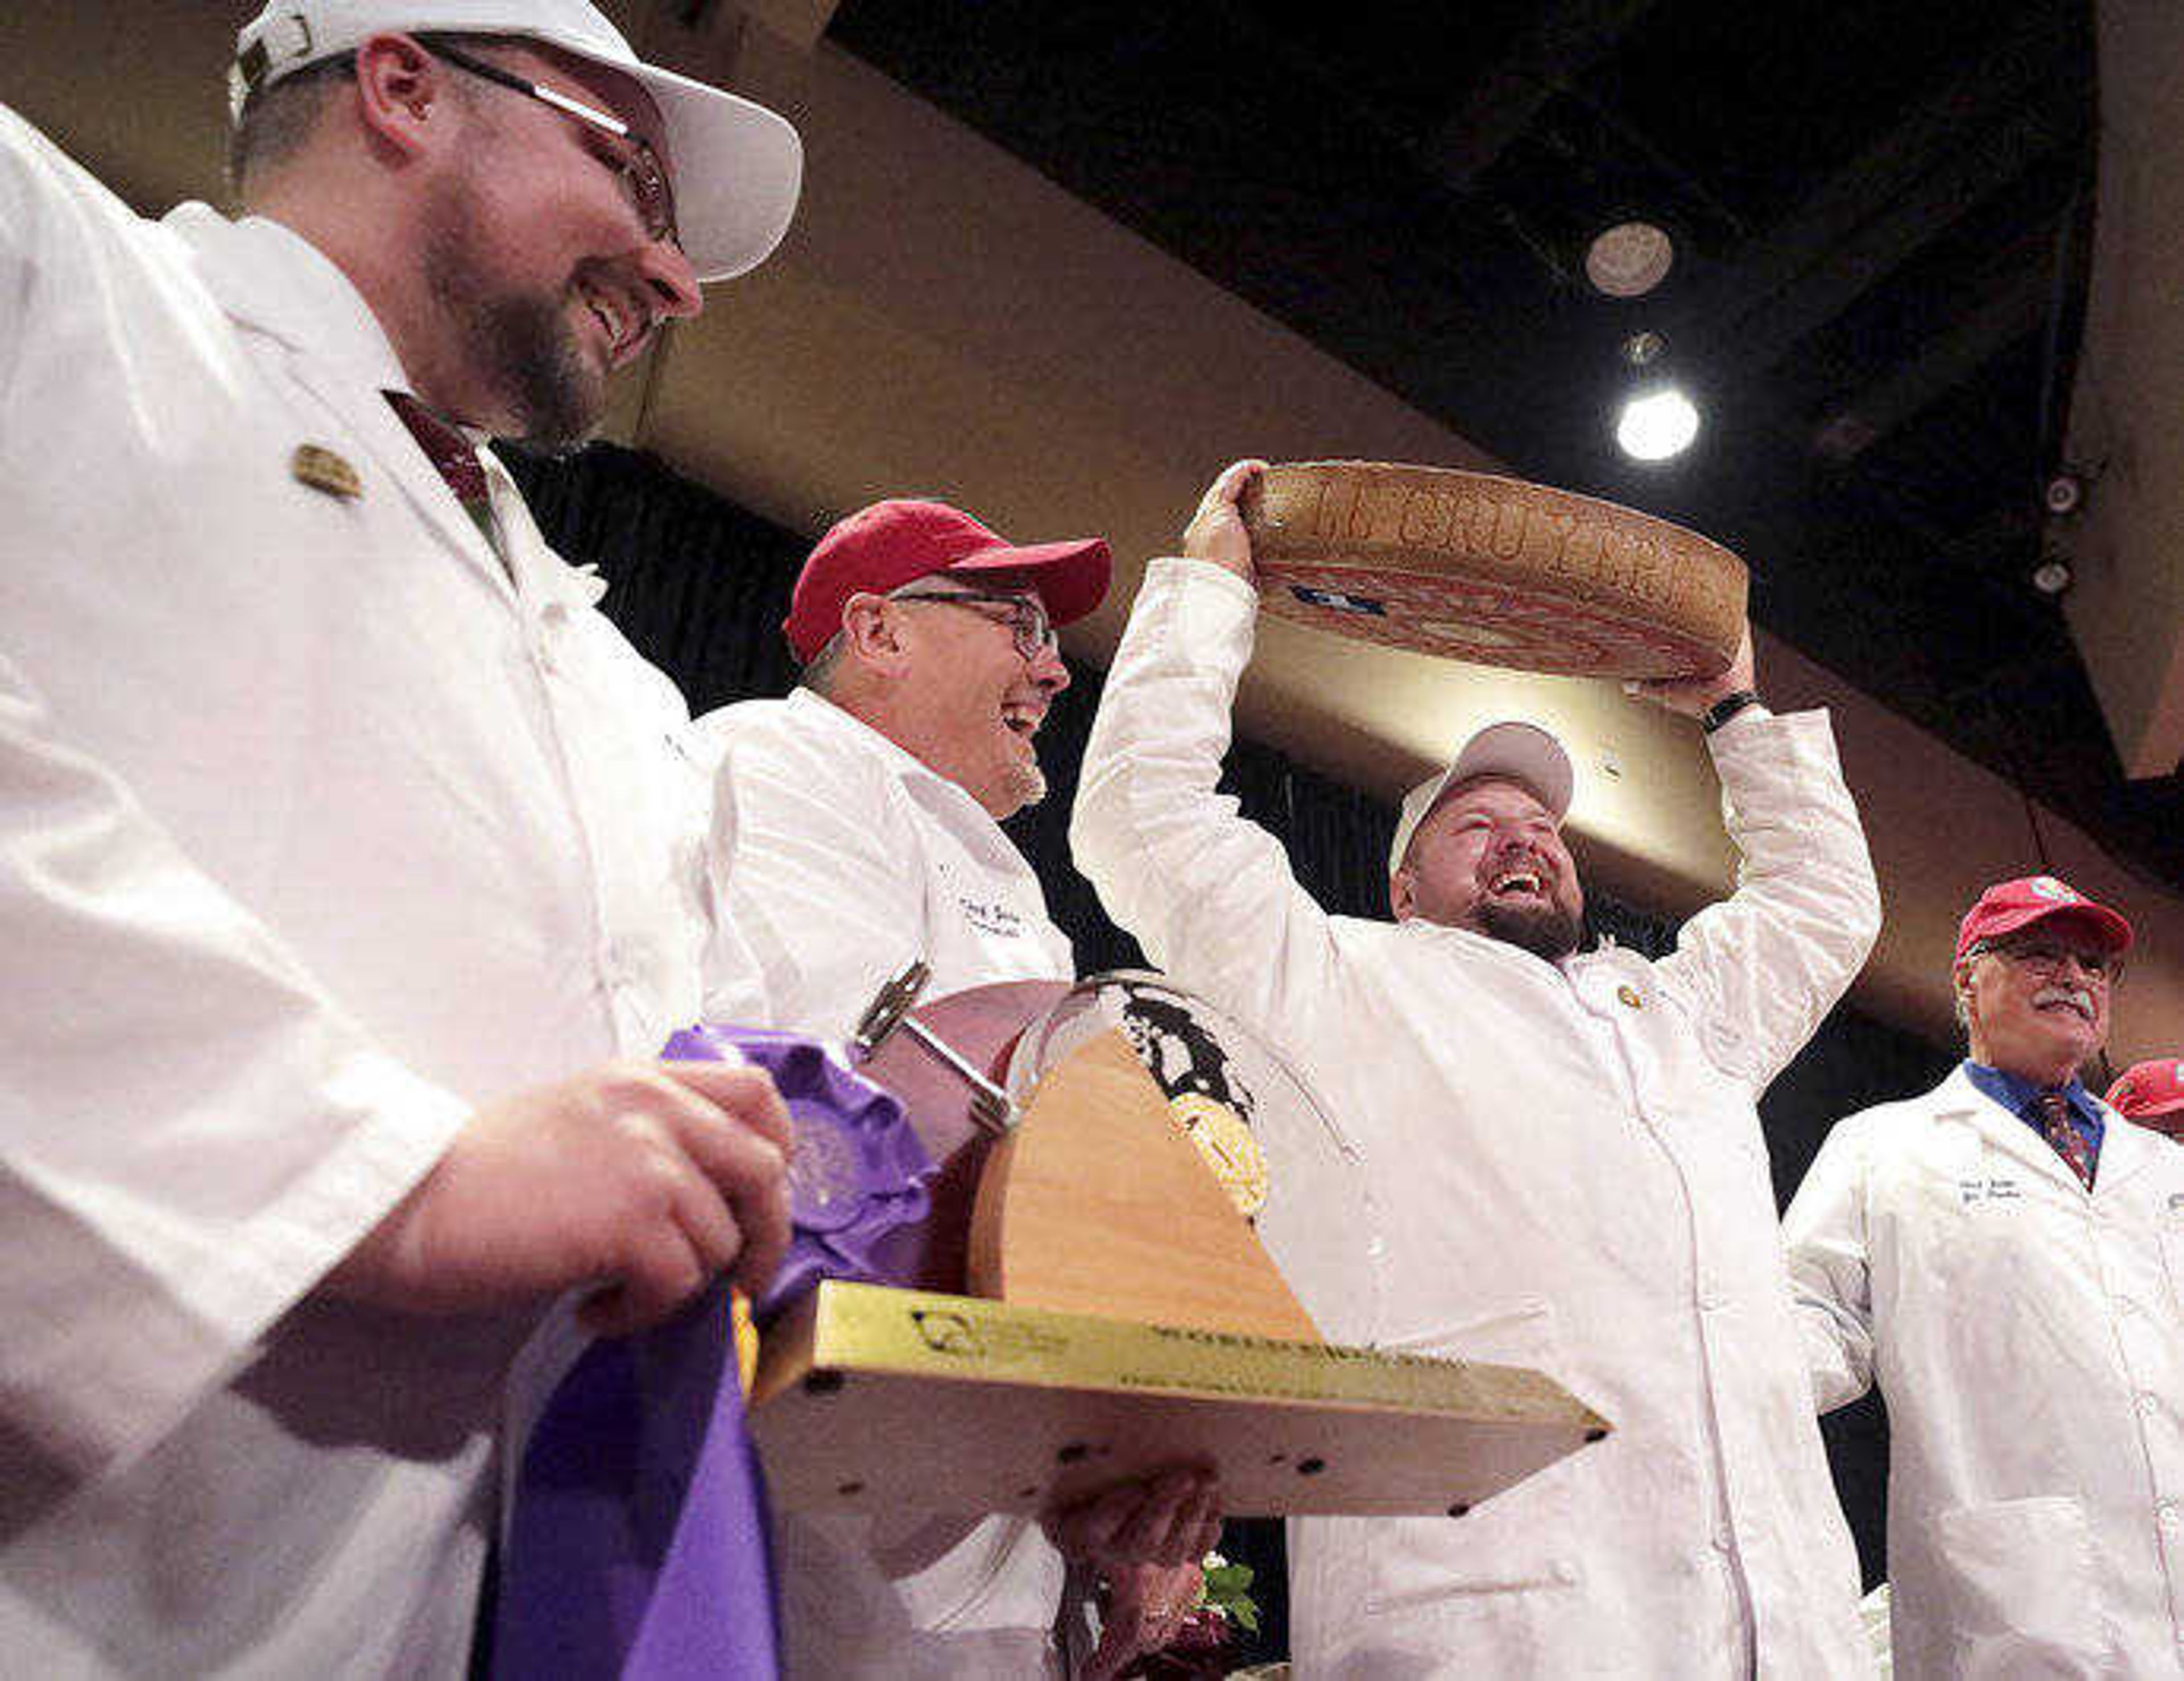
(1727, 708)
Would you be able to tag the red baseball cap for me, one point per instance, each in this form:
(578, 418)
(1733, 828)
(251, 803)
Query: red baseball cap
(2009, 906)
(2155, 1087)
(897, 542)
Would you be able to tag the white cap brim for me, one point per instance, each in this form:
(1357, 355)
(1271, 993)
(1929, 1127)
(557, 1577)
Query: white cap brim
(1523, 753)
(739, 169)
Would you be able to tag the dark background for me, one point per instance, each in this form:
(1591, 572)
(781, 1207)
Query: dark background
(700, 586)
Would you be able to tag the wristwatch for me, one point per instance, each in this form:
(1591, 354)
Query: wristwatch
(1726, 708)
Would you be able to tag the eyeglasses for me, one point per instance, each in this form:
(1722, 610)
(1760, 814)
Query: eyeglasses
(1026, 616)
(643, 182)
(2047, 959)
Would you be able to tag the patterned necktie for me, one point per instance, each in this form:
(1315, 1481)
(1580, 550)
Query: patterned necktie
(2053, 1111)
(452, 457)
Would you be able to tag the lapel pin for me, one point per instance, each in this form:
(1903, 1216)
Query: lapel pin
(323, 470)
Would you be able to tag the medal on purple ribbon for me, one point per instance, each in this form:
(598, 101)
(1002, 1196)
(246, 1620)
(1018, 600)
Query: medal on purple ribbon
(857, 1173)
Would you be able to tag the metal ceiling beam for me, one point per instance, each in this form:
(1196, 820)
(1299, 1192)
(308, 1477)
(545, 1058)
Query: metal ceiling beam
(1831, 279)
(1565, 41)
(2010, 310)
(1978, 133)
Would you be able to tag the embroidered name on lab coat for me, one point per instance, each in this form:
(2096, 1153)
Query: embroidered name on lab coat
(1987, 1191)
(992, 917)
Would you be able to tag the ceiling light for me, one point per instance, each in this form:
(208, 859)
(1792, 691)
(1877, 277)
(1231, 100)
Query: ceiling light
(1629, 259)
(1657, 424)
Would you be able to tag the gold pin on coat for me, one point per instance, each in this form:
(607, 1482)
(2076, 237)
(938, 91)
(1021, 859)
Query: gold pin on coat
(323, 470)
(1629, 995)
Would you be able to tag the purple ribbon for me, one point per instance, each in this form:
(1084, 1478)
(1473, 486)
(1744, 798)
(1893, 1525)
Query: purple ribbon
(637, 1543)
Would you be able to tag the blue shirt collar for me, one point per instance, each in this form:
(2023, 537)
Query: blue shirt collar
(2015, 1093)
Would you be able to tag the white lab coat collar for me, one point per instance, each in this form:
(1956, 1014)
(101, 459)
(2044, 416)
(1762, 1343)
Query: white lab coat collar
(271, 280)
(819, 713)
(822, 713)
(1606, 955)
(2124, 1153)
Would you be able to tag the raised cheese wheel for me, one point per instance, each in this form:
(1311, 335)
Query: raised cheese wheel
(1492, 570)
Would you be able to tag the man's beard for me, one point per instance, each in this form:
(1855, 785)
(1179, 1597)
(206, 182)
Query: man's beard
(1027, 782)
(533, 350)
(1546, 930)
(533, 361)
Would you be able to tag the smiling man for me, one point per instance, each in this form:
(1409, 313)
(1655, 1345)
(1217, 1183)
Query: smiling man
(1561, 1147)
(2005, 1259)
(1481, 845)
(857, 823)
(856, 827)
(348, 873)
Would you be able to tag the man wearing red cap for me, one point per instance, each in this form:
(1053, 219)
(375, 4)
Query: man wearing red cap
(2006, 1263)
(857, 824)
(1560, 1149)
(2152, 1094)
(347, 882)
(856, 828)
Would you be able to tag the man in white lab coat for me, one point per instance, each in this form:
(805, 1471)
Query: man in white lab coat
(857, 824)
(857, 827)
(2006, 1263)
(1561, 1148)
(342, 842)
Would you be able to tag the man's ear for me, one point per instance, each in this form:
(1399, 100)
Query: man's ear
(398, 87)
(1402, 894)
(871, 633)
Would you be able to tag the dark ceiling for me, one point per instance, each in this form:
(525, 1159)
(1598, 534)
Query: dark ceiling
(1881, 216)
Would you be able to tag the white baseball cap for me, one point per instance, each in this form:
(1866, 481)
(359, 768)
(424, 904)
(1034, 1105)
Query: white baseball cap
(738, 166)
(1522, 752)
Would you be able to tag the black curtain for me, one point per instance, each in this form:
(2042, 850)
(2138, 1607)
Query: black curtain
(700, 586)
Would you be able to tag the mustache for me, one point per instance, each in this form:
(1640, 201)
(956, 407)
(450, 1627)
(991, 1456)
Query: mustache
(1517, 855)
(2077, 997)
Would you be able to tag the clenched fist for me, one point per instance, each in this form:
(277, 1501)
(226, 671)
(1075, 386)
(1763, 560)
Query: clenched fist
(642, 1180)
(1217, 533)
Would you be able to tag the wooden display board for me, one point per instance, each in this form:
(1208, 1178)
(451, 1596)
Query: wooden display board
(879, 1400)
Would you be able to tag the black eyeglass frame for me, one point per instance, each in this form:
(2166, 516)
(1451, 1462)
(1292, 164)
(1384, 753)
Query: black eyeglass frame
(2046, 953)
(644, 180)
(1029, 628)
